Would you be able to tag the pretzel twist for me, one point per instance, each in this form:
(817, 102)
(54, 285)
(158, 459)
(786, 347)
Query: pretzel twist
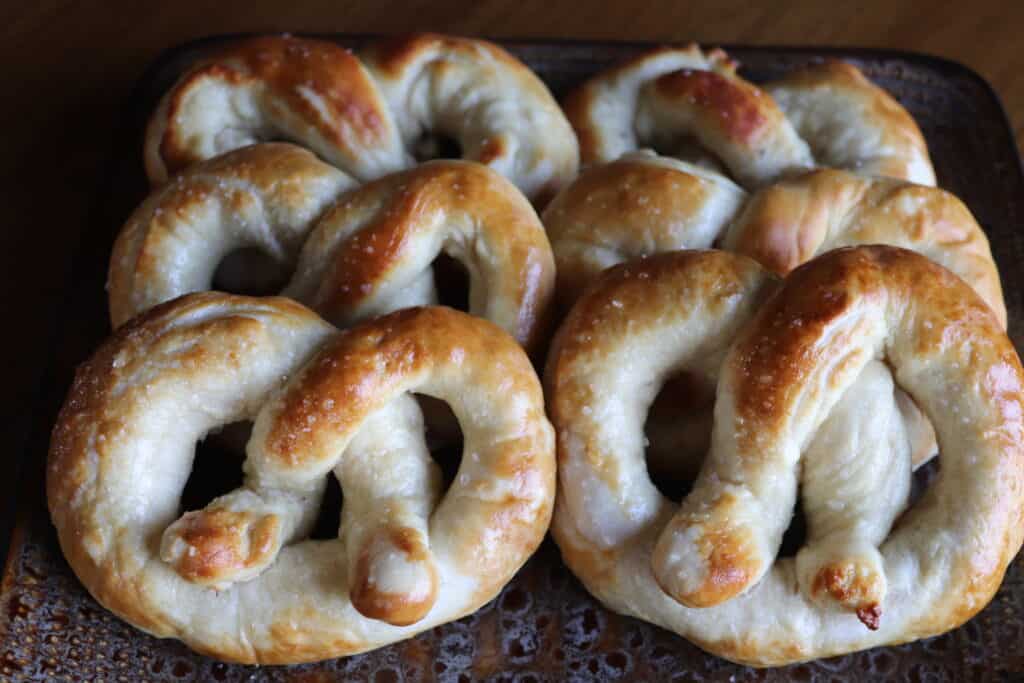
(826, 114)
(367, 115)
(786, 357)
(235, 580)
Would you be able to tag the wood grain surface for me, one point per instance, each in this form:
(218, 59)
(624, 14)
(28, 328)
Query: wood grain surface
(68, 68)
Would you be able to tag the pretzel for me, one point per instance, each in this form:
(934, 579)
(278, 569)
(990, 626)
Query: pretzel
(822, 115)
(366, 252)
(235, 580)
(644, 204)
(367, 116)
(785, 357)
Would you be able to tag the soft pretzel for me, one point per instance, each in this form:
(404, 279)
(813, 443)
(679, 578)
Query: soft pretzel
(786, 358)
(792, 221)
(669, 96)
(644, 204)
(235, 580)
(827, 114)
(367, 251)
(367, 116)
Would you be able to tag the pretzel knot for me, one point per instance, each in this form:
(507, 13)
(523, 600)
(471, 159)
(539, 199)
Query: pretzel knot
(348, 253)
(235, 579)
(826, 114)
(804, 400)
(369, 115)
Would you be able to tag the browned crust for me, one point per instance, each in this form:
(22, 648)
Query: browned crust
(395, 608)
(733, 106)
(628, 297)
(731, 561)
(618, 206)
(848, 586)
(785, 225)
(412, 200)
(216, 536)
(92, 401)
(818, 293)
(578, 104)
(282, 170)
(625, 300)
(823, 291)
(513, 525)
(284, 64)
(364, 366)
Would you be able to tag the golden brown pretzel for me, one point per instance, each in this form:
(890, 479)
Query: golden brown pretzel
(825, 114)
(235, 580)
(367, 251)
(644, 204)
(784, 357)
(367, 116)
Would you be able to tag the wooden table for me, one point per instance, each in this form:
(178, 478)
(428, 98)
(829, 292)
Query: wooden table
(68, 68)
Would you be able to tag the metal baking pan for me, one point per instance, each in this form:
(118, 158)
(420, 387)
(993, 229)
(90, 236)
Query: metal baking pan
(543, 626)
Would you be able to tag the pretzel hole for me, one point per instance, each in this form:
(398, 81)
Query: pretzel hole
(678, 433)
(796, 533)
(217, 466)
(443, 436)
(250, 271)
(451, 281)
(328, 520)
(434, 145)
(922, 479)
(688, 148)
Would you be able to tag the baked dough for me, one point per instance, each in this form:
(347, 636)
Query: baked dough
(367, 115)
(366, 251)
(643, 204)
(235, 580)
(826, 114)
(784, 357)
